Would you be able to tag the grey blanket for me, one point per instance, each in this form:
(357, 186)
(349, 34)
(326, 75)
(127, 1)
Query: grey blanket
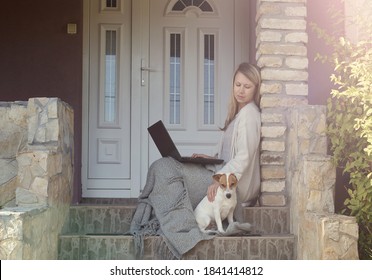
(165, 208)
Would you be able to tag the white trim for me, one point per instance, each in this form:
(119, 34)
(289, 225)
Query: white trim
(102, 75)
(202, 32)
(108, 10)
(97, 187)
(166, 113)
(241, 33)
(193, 9)
(140, 94)
(85, 97)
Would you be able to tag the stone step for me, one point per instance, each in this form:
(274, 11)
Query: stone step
(115, 219)
(119, 247)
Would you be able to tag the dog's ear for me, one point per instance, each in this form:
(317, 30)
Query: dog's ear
(217, 177)
(233, 180)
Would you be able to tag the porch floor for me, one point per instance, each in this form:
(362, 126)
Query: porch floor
(96, 230)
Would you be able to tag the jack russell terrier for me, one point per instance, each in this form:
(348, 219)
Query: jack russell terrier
(222, 207)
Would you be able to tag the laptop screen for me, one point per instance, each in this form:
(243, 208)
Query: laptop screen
(163, 141)
(167, 148)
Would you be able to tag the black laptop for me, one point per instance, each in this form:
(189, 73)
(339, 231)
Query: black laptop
(167, 148)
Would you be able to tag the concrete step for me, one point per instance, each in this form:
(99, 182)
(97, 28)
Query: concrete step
(115, 219)
(119, 247)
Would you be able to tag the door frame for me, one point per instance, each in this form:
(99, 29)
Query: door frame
(244, 40)
(137, 100)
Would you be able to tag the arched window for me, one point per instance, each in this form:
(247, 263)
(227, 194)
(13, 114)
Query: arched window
(203, 5)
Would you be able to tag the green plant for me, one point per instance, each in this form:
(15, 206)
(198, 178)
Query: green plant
(350, 124)
(350, 132)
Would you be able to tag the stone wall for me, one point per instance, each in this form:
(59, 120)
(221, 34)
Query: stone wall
(321, 233)
(295, 168)
(30, 228)
(13, 139)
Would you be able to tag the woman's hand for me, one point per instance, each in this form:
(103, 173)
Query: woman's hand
(212, 191)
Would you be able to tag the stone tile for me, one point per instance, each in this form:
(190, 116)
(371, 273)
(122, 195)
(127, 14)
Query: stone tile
(69, 247)
(76, 221)
(268, 220)
(219, 248)
(100, 219)
(96, 219)
(106, 248)
(116, 219)
(228, 248)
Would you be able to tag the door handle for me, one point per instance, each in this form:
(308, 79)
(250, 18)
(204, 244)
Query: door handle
(145, 68)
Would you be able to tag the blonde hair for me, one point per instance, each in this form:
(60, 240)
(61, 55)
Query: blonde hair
(252, 73)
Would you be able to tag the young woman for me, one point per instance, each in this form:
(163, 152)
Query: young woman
(174, 189)
(239, 146)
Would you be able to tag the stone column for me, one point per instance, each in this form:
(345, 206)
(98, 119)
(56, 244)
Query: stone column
(282, 56)
(30, 229)
(48, 160)
(321, 233)
(13, 131)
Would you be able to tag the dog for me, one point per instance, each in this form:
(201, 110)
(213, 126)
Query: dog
(221, 208)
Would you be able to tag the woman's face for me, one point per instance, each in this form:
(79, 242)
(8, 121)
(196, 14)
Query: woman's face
(244, 90)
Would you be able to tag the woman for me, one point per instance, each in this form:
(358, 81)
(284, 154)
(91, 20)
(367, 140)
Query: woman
(239, 146)
(173, 189)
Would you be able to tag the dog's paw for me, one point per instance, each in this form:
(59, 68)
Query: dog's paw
(211, 232)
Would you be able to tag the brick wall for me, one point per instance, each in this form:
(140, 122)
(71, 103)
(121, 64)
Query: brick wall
(282, 56)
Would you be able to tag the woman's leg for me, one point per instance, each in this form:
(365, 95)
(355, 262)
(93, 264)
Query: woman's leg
(163, 172)
(170, 199)
(194, 178)
(197, 179)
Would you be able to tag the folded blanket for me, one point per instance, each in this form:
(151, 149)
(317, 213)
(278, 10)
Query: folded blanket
(165, 208)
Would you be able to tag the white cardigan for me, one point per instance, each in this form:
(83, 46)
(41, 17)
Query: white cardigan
(245, 154)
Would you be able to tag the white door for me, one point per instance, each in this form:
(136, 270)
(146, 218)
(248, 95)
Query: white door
(109, 156)
(146, 60)
(192, 57)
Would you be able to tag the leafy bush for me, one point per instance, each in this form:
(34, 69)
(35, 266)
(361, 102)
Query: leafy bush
(350, 124)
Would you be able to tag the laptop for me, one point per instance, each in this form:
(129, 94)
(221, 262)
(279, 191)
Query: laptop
(167, 148)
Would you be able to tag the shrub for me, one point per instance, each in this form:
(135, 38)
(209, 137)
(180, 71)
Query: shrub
(350, 124)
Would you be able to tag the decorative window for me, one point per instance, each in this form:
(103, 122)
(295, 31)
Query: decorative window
(111, 62)
(109, 73)
(175, 65)
(111, 6)
(111, 3)
(181, 5)
(209, 79)
(200, 7)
